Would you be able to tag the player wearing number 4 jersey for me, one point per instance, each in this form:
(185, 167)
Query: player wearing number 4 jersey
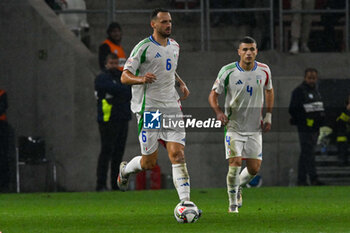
(151, 70)
(244, 83)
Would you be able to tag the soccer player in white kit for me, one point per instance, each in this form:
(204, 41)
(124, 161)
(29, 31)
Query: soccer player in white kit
(244, 83)
(151, 70)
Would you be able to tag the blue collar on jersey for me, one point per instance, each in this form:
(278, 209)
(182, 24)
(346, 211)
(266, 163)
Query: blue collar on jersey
(154, 41)
(242, 70)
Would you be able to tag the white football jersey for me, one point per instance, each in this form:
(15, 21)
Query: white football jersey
(244, 95)
(149, 56)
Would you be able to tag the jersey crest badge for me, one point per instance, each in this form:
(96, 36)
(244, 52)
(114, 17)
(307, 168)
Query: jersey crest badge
(258, 79)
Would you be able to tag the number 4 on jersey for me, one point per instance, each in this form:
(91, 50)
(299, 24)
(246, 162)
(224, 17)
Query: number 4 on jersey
(250, 90)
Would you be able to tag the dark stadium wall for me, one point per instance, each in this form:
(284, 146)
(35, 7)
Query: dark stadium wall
(49, 75)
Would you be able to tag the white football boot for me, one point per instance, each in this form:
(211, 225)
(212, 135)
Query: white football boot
(233, 209)
(122, 181)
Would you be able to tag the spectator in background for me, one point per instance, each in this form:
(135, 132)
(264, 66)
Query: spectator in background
(301, 25)
(112, 45)
(55, 4)
(113, 114)
(343, 133)
(76, 22)
(259, 23)
(329, 21)
(307, 113)
(4, 142)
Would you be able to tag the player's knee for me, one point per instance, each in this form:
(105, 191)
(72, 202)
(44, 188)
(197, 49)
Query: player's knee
(148, 164)
(178, 157)
(254, 170)
(235, 162)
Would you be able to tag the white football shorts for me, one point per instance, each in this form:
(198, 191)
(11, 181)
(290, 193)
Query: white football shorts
(245, 146)
(149, 138)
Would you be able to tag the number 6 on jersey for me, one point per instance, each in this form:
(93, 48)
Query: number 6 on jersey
(168, 64)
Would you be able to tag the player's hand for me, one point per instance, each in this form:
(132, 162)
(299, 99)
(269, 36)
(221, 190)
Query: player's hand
(222, 117)
(149, 78)
(266, 127)
(185, 91)
(267, 123)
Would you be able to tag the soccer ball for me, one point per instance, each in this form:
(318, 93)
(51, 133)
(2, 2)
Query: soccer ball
(186, 212)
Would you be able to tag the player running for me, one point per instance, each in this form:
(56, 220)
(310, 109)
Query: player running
(151, 70)
(244, 83)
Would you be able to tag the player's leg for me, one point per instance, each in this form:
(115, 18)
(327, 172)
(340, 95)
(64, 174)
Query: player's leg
(181, 177)
(137, 164)
(250, 171)
(232, 181)
(149, 150)
(247, 174)
(252, 153)
(234, 146)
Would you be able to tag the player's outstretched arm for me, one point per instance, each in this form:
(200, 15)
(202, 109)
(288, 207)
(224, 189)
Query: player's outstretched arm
(129, 79)
(269, 100)
(214, 104)
(183, 87)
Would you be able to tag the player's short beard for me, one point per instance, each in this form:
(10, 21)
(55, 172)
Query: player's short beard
(164, 34)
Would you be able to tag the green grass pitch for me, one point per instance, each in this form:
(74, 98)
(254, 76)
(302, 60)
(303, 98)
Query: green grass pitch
(268, 209)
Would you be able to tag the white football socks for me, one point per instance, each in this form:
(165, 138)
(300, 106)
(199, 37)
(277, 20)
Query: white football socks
(232, 180)
(181, 181)
(133, 166)
(245, 177)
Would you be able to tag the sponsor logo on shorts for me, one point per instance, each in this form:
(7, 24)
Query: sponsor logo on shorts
(152, 120)
(157, 120)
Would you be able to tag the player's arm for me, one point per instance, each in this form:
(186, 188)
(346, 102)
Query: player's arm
(269, 100)
(182, 86)
(214, 104)
(129, 79)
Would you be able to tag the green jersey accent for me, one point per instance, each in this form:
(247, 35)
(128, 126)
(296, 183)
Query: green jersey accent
(138, 46)
(244, 95)
(150, 57)
(143, 56)
(226, 68)
(141, 113)
(227, 79)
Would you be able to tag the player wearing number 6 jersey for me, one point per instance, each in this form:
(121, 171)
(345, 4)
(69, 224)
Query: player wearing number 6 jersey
(244, 83)
(151, 70)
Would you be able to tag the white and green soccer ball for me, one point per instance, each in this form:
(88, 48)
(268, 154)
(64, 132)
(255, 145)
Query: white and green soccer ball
(187, 212)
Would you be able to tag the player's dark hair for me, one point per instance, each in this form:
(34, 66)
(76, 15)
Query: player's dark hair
(247, 40)
(112, 26)
(111, 56)
(307, 70)
(156, 11)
